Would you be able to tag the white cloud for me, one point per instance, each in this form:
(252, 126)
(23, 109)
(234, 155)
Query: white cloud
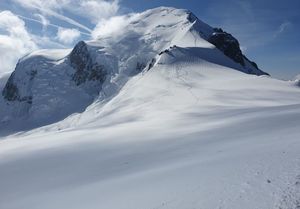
(46, 42)
(47, 23)
(113, 26)
(43, 20)
(51, 8)
(93, 10)
(98, 10)
(67, 36)
(109, 27)
(50, 4)
(15, 40)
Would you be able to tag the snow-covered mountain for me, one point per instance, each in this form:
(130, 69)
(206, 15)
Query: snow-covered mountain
(164, 112)
(49, 85)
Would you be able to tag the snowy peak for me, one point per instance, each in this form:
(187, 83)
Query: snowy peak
(157, 29)
(61, 82)
(46, 87)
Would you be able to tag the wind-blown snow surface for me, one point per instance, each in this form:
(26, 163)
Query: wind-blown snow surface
(188, 133)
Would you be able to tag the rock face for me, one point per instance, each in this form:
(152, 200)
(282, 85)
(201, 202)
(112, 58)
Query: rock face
(85, 68)
(231, 48)
(228, 45)
(10, 91)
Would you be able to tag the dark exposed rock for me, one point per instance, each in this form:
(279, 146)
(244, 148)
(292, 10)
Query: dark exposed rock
(151, 64)
(165, 51)
(228, 45)
(85, 68)
(140, 67)
(191, 17)
(168, 50)
(11, 91)
(97, 73)
(79, 56)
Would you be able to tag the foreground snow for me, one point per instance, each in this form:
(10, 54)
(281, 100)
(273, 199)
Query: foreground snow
(186, 134)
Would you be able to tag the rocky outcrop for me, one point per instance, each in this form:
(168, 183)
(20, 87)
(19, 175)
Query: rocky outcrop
(191, 17)
(79, 56)
(11, 91)
(85, 68)
(228, 45)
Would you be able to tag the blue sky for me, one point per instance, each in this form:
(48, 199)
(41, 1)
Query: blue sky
(268, 31)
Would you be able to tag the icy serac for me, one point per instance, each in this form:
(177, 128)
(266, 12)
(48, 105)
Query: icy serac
(49, 85)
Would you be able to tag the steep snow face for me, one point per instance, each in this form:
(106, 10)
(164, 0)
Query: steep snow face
(50, 85)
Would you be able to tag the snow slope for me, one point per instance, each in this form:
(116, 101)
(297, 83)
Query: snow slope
(186, 134)
(190, 132)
